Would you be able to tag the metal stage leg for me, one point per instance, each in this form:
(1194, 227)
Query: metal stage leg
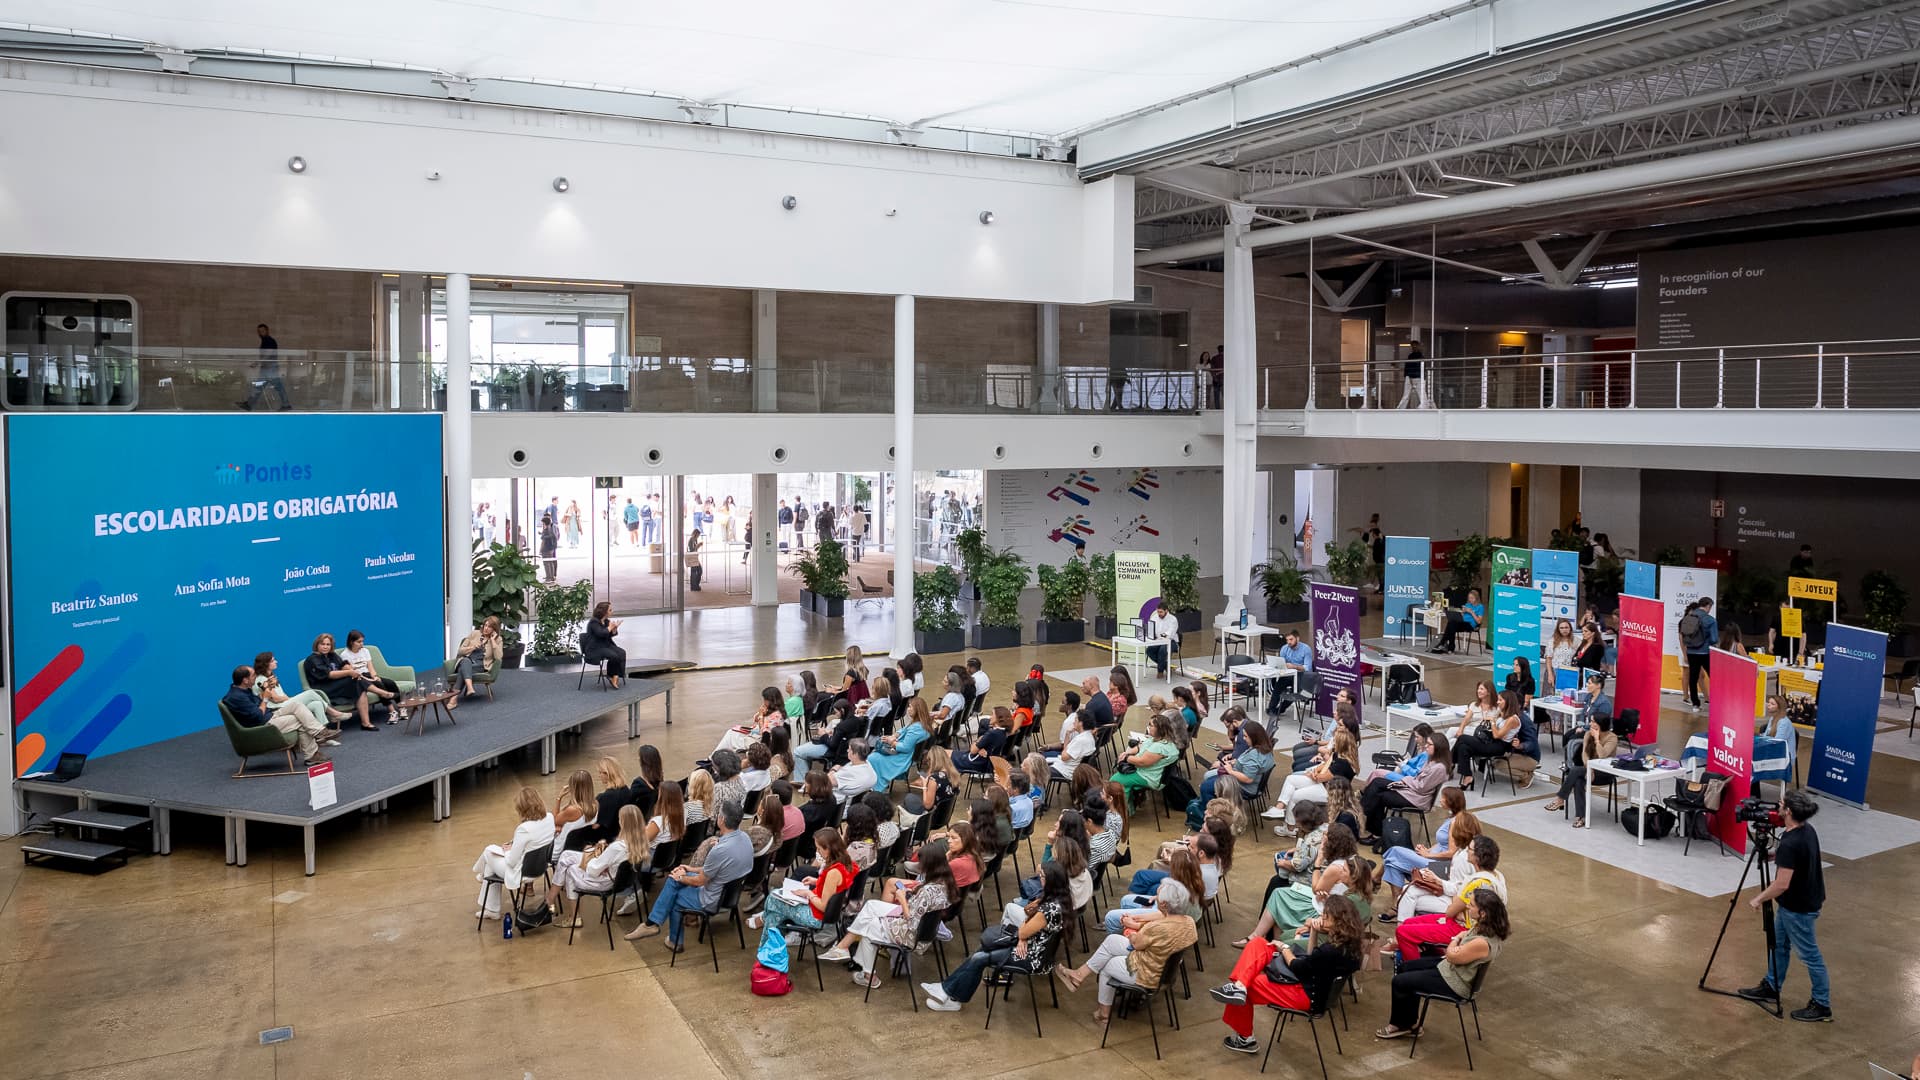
(446, 796)
(309, 831)
(239, 841)
(633, 720)
(163, 828)
(669, 706)
(548, 754)
(228, 823)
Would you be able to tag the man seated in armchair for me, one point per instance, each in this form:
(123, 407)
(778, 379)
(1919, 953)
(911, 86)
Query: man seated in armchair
(294, 719)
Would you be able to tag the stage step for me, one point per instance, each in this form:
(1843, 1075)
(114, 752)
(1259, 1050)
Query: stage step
(65, 848)
(102, 820)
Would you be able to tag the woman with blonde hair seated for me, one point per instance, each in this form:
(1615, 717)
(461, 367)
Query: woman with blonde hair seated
(504, 861)
(1341, 759)
(592, 870)
(573, 808)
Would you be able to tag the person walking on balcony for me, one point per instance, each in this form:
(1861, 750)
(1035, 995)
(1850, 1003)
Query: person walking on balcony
(1413, 382)
(267, 373)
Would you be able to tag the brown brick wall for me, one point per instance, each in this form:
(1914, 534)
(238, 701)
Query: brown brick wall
(694, 322)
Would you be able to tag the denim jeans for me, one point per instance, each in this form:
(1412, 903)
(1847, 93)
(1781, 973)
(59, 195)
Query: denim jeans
(810, 751)
(1795, 930)
(675, 900)
(996, 948)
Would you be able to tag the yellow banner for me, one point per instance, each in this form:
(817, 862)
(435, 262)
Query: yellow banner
(1790, 622)
(1792, 682)
(1804, 588)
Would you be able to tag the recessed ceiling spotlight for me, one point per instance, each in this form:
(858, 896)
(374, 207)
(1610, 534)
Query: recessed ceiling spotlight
(986, 217)
(788, 202)
(296, 164)
(562, 185)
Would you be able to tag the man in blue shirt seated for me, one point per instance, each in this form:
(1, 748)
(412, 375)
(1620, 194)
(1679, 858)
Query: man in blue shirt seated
(294, 718)
(1296, 653)
(1470, 617)
(698, 888)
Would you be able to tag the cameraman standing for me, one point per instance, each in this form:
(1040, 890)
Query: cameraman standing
(1798, 885)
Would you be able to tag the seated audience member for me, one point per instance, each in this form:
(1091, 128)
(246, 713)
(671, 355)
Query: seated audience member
(1314, 973)
(892, 754)
(1341, 758)
(1419, 747)
(592, 869)
(1464, 621)
(1246, 770)
(1139, 907)
(953, 701)
(573, 808)
(779, 754)
(821, 810)
(727, 785)
(1140, 770)
(598, 647)
(1416, 792)
(782, 910)
(878, 709)
(856, 777)
(1098, 707)
(1452, 973)
(326, 672)
(830, 742)
(793, 822)
(887, 830)
(1483, 863)
(1401, 866)
(652, 776)
(615, 792)
(699, 801)
(1598, 744)
(273, 697)
(1121, 693)
(1018, 945)
(913, 675)
(1103, 840)
(669, 820)
(360, 658)
(505, 861)
(771, 712)
(1020, 803)
(1067, 845)
(1189, 710)
(894, 919)
(1139, 960)
(934, 786)
(1024, 708)
(306, 728)
(690, 888)
(853, 685)
(1338, 869)
(478, 652)
(992, 743)
(978, 676)
(1078, 744)
(758, 773)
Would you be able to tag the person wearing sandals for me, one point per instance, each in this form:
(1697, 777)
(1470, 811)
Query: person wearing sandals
(783, 910)
(894, 919)
(1338, 870)
(1018, 944)
(1308, 978)
(1418, 875)
(1139, 959)
(1484, 876)
(1452, 973)
(505, 861)
(1598, 744)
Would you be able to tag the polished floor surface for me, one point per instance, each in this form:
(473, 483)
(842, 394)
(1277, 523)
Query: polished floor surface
(172, 966)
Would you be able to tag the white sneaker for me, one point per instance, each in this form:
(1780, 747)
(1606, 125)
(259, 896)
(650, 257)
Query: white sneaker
(1273, 813)
(835, 955)
(935, 991)
(754, 922)
(1282, 831)
(627, 907)
(943, 1005)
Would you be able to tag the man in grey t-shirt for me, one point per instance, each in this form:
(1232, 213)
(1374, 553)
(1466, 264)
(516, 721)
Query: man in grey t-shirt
(699, 888)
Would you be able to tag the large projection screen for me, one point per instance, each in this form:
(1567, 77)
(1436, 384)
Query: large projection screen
(150, 555)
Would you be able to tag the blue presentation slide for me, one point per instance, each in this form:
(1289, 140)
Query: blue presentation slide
(150, 555)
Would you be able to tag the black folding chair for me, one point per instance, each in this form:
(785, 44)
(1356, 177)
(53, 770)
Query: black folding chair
(1125, 996)
(728, 904)
(829, 921)
(536, 863)
(926, 933)
(1460, 1005)
(1253, 804)
(623, 882)
(599, 666)
(1001, 978)
(1317, 1012)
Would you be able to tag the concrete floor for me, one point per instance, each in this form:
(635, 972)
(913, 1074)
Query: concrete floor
(172, 966)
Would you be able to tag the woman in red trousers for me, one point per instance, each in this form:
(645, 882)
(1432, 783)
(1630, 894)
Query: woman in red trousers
(1308, 982)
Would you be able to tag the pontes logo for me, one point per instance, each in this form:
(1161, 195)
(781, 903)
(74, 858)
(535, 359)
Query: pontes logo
(231, 475)
(226, 475)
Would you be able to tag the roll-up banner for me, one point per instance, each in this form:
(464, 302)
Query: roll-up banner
(1136, 584)
(1680, 586)
(1556, 574)
(1516, 630)
(1405, 580)
(1335, 614)
(1512, 566)
(1730, 739)
(1850, 686)
(1637, 671)
(1642, 579)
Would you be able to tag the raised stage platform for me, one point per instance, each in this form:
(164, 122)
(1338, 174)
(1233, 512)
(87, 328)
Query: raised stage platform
(193, 773)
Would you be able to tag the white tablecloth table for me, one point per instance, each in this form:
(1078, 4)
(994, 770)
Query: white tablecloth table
(1641, 781)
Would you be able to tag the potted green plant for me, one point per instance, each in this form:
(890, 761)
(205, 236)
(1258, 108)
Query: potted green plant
(437, 379)
(1883, 604)
(1285, 586)
(936, 611)
(802, 566)
(1672, 555)
(830, 578)
(1002, 579)
(502, 575)
(559, 612)
(971, 547)
(1063, 602)
(509, 387)
(1179, 589)
(1464, 564)
(1347, 565)
(1105, 595)
(549, 385)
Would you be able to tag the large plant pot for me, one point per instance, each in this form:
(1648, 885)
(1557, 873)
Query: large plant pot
(934, 642)
(1189, 620)
(1283, 614)
(833, 607)
(994, 637)
(1364, 606)
(1049, 632)
(808, 601)
(1104, 626)
(511, 655)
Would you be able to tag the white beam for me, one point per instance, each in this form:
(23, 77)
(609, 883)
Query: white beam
(459, 460)
(903, 499)
(1343, 300)
(1555, 276)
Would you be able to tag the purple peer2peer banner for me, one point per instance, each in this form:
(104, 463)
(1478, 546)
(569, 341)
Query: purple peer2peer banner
(1335, 614)
(1730, 738)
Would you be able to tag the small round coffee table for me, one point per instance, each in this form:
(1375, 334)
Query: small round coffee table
(419, 704)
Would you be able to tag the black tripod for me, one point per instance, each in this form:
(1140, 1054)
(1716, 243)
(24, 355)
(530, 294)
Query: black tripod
(1759, 855)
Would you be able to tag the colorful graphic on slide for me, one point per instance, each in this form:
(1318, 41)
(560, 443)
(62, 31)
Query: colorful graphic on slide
(1144, 483)
(1137, 527)
(1073, 530)
(1081, 479)
(166, 582)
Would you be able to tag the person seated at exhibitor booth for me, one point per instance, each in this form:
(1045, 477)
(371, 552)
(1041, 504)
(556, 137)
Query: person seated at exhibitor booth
(293, 718)
(360, 658)
(505, 861)
(596, 643)
(1310, 978)
(1164, 628)
(478, 652)
(1140, 960)
(691, 889)
(1296, 653)
(326, 672)
(1597, 745)
(273, 697)
(1464, 621)
(1416, 792)
(1451, 974)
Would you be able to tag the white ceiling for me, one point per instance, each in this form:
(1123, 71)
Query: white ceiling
(1027, 66)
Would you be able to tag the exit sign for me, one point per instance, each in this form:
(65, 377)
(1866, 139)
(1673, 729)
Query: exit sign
(1717, 508)
(606, 483)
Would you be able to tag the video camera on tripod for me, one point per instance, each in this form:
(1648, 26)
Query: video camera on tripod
(1759, 814)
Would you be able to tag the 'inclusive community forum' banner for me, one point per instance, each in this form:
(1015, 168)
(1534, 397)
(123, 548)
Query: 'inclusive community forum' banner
(1637, 670)
(1136, 585)
(1850, 686)
(1730, 738)
(1405, 580)
(1334, 612)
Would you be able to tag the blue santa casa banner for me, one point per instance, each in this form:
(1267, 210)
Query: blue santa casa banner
(1405, 580)
(164, 551)
(1642, 580)
(1334, 612)
(1849, 711)
(1516, 629)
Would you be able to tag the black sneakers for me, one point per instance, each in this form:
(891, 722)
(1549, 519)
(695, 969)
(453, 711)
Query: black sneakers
(1241, 1044)
(1229, 994)
(1814, 1013)
(1764, 992)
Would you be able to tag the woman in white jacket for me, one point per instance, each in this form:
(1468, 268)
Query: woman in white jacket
(535, 830)
(592, 870)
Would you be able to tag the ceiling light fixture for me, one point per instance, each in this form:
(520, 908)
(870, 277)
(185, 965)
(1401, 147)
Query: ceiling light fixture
(788, 202)
(986, 217)
(1477, 180)
(296, 164)
(1346, 125)
(174, 61)
(1542, 77)
(1764, 21)
(562, 185)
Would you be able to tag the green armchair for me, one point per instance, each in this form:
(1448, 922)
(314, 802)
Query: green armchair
(253, 741)
(484, 678)
(403, 677)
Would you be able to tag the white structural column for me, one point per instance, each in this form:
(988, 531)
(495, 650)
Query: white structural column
(1238, 419)
(459, 460)
(766, 352)
(1047, 397)
(765, 556)
(903, 497)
